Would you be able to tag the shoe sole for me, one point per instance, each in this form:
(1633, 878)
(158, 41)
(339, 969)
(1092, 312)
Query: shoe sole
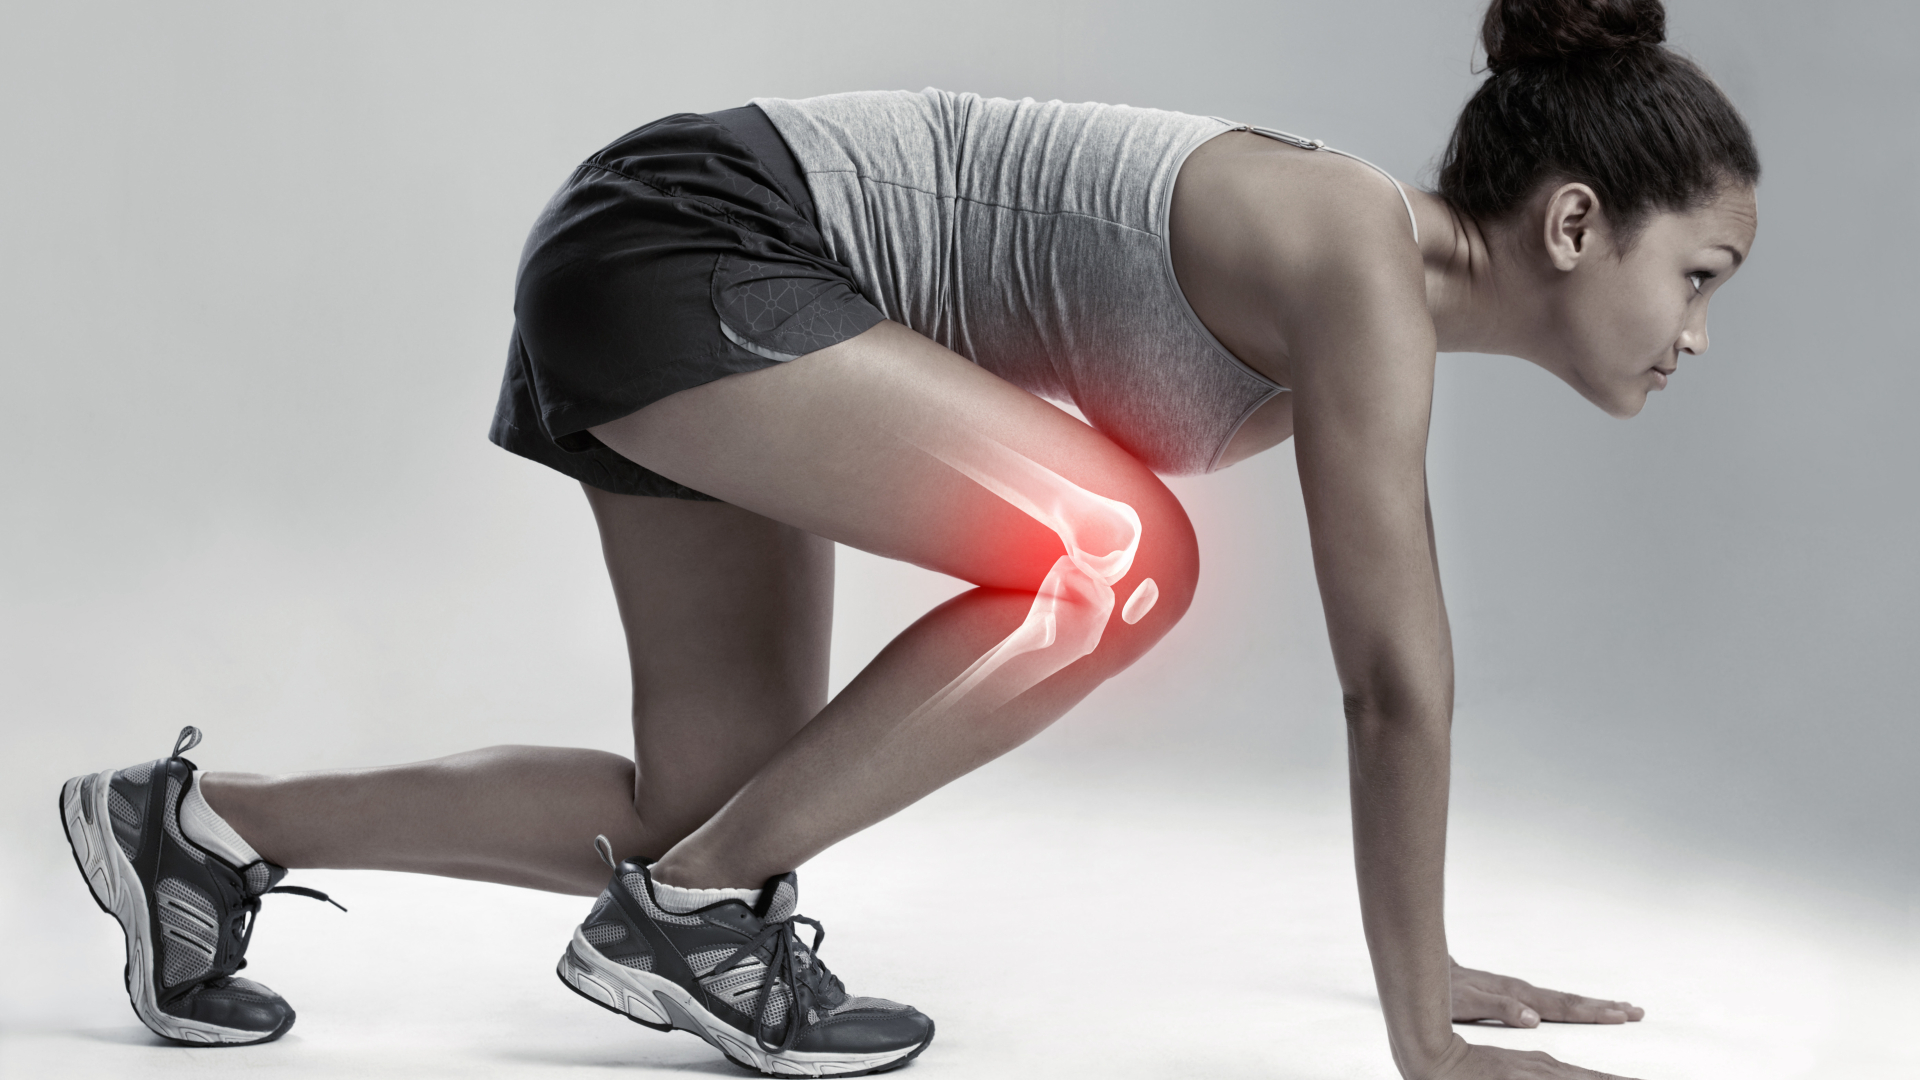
(661, 1004)
(117, 889)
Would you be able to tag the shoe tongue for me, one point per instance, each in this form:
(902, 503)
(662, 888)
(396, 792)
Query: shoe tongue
(262, 876)
(780, 896)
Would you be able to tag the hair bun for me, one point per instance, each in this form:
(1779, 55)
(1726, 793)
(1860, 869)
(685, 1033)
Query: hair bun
(1521, 31)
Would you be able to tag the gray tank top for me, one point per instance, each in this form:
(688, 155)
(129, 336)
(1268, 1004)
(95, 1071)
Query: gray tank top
(1031, 238)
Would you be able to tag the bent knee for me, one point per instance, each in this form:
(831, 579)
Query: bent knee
(1149, 544)
(1170, 555)
(1158, 589)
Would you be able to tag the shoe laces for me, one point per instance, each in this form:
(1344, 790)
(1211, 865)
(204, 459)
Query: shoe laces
(795, 966)
(233, 945)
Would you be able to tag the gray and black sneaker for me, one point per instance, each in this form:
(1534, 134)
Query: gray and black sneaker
(187, 913)
(736, 976)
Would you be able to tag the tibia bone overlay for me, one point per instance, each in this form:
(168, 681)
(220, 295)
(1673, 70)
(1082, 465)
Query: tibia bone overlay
(1073, 603)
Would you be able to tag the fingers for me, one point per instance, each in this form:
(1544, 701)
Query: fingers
(1547, 1067)
(1472, 1003)
(1490, 1062)
(1563, 1008)
(1482, 995)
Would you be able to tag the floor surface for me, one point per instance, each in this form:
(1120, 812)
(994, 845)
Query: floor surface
(1055, 926)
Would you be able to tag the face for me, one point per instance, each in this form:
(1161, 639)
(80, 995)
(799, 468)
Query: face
(1626, 317)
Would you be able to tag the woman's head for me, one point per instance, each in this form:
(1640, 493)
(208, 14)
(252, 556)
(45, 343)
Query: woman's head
(1588, 131)
(1616, 315)
(1583, 90)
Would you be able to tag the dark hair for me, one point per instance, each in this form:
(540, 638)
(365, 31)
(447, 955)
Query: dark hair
(1583, 91)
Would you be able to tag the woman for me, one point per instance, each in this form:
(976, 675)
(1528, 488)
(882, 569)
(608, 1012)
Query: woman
(758, 332)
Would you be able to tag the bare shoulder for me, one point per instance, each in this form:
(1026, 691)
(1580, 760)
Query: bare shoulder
(1272, 243)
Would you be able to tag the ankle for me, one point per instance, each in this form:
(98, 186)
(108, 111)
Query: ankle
(683, 871)
(233, 797)
(205, 826)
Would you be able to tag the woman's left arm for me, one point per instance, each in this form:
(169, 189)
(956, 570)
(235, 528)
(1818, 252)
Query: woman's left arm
(1352, 306)
(1362, 352)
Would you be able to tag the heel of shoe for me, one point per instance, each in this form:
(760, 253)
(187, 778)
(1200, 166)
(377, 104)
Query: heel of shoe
(609, 985)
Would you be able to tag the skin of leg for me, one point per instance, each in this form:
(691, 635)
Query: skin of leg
(516, 814)
(826, 443)
(727, 616)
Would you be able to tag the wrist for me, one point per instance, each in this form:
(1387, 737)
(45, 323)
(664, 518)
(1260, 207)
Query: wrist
(1428, 1062)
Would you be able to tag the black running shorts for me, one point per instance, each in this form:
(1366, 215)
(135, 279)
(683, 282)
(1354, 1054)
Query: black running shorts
(684, 252)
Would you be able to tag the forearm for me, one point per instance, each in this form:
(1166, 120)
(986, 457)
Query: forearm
(1362, 405)
(1398, 772)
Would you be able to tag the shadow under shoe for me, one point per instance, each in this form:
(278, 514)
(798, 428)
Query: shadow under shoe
(738, 977)
(187, 913)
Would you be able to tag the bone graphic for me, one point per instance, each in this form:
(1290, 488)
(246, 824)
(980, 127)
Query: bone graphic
(1140, 602)
(1073, 603)
(1082, 519)
(1066, 622)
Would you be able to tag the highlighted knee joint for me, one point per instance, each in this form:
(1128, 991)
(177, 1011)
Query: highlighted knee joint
(1073, 604)
(1100, 534)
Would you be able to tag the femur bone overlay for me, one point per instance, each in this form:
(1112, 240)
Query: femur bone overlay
(1076, 599)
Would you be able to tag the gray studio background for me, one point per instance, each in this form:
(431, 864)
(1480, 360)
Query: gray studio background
(255, 294)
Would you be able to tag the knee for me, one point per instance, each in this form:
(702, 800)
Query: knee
(1169, 554)
(1169, 557)
(1094, 608)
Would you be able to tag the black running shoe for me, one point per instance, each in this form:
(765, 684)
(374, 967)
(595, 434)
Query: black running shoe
(738, 977)
(187, 913)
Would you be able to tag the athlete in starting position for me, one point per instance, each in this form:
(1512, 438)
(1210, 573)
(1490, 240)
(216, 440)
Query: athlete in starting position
(755, 333)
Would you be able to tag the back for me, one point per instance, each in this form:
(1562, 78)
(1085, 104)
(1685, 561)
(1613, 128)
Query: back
(1030, 237)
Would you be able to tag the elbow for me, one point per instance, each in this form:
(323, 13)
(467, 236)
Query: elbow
(1364, 708)
(1397, 686)
(1396, 706)
(1357, 707)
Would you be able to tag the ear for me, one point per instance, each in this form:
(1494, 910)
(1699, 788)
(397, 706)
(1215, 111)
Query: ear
(1572, 225)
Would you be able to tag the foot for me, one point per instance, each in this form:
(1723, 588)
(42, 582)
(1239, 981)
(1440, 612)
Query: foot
(187, 912)
(738, 977)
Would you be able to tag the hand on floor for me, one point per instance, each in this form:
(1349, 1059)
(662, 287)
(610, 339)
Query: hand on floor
(1466, 1061)
(1482, 995)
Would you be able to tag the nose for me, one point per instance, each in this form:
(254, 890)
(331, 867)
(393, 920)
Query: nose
(1693, 339)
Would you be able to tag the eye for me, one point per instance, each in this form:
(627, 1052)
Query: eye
(1699, 278)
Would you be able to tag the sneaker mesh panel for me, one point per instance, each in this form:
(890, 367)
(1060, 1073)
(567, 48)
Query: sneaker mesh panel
(259, 878)
(173, 824)
(137, 774)
(600, 905)
(785, 898)
(638, 961)
(604, 933)
(126, 822)
(739, 986)
(707, 959)
(637, 888)
(740, 979)
(188, 932)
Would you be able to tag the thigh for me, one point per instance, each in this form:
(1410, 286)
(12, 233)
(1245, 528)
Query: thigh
(728, 616)
(833, 444)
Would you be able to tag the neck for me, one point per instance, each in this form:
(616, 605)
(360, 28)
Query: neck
(1472, 295)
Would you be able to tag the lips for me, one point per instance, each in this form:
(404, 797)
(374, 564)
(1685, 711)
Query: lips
(1660, 377)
